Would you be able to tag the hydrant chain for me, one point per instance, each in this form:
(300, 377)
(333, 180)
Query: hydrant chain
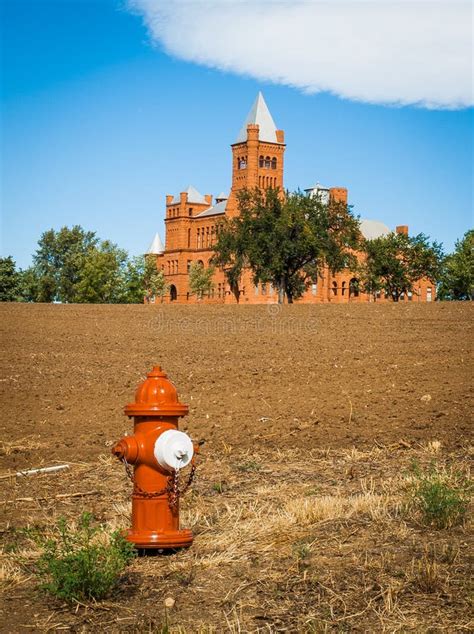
(172, 487)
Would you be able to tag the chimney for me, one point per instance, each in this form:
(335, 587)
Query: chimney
(402, 229)
(338, 194)
(169, 199)
(280, 135)
(208, 198)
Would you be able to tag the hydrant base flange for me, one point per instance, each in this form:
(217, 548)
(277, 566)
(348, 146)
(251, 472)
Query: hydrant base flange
(153, 539)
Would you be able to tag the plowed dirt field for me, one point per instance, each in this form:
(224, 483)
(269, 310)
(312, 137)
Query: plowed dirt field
(310, 418)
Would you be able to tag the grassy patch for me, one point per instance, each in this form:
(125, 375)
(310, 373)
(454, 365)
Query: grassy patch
(439, 496)
(250, 465)
(82, 562)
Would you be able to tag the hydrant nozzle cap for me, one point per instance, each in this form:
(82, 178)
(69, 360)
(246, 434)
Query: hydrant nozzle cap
(156, 396)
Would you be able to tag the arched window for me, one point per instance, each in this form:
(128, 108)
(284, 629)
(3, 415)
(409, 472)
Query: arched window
(343, 288)
(274, 163)
(268, 162)
(261, 161)
(242, 162)
(173, 293)
(334, 288)
(354, 287)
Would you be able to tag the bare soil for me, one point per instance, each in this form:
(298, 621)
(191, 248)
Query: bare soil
(310, 417)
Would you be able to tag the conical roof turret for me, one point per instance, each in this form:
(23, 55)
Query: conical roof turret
(259, 114)
(156, 247)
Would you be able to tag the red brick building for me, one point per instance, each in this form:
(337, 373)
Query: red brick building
(192, 223)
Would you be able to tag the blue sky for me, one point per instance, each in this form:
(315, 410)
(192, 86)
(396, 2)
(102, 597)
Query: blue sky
(103, 114)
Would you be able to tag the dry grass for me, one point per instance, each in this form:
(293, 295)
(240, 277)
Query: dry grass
(11, 574)
(26, 444)
(296, 545)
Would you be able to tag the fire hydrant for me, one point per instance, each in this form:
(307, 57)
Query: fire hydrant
(158, 451)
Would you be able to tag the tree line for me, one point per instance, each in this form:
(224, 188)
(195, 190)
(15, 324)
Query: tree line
(286, 240)
(290, 240)
(73, 265)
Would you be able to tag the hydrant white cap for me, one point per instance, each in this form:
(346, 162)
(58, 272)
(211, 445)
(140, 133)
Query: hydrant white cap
(173, 449)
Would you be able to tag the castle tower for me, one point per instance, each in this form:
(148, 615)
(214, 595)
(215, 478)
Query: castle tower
(257, 155)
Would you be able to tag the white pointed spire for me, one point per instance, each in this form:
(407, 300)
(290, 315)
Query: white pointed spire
(260, 114)
(156, 247)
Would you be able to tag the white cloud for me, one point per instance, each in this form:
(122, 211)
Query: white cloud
(383, 51)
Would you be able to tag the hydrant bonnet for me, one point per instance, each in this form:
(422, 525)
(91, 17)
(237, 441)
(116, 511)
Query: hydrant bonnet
(156, 396)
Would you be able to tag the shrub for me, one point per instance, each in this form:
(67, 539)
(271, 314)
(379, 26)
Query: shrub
(83, 562)
(440, 496)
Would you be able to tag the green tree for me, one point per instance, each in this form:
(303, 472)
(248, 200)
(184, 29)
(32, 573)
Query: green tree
(154, 281)
(29, 285)
(134, 280)
(230, 255)
(59, 262)
(457, 280)
(103, 276)
(285, 240)
(200, 279)
(9, 280)
(394, 263)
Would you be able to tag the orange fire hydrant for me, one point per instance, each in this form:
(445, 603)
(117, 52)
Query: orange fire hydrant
(158, 451)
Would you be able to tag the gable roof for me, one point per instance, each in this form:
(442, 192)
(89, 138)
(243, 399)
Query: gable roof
(317, 186)
(260, 114)
(193, 196)
(213, 211)
(156, 247)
